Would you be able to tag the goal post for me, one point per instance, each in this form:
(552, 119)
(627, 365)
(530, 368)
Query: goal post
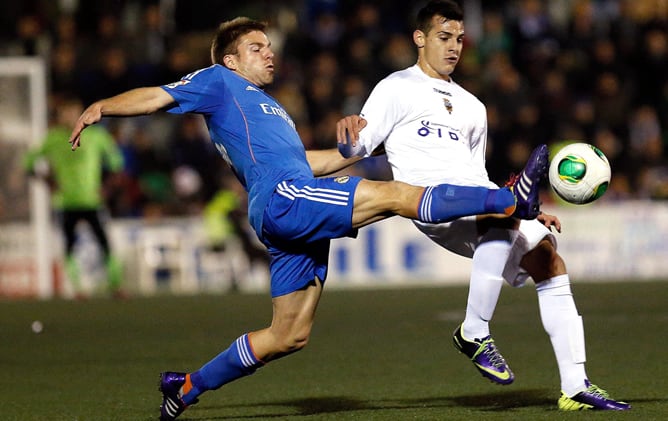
(26, 241)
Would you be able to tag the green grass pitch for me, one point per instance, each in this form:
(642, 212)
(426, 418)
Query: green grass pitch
(374, 355)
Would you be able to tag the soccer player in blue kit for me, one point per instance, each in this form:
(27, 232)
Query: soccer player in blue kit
(294, 213)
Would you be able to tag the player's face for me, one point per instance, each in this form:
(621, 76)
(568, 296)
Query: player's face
(439, 50)
(254, 59)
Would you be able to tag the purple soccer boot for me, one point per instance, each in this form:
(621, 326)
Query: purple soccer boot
(172, 405)
(485, 357)
(592, 398)
(526, 184)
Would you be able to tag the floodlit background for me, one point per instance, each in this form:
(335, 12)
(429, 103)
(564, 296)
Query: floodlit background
(548, 71)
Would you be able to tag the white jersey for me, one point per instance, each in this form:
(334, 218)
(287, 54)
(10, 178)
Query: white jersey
(434, 131)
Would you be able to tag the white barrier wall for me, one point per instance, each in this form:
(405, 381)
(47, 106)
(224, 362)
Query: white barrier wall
(623, 241)
(393, 252)
(611, 242)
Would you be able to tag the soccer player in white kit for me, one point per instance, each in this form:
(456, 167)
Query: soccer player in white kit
(434, 131)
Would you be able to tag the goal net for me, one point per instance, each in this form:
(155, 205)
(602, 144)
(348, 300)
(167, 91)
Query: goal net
(25, 249)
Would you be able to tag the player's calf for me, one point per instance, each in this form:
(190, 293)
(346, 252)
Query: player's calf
(447, 202)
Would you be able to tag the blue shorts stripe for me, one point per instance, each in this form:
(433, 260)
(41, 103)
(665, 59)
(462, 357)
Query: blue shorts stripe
(334, 197)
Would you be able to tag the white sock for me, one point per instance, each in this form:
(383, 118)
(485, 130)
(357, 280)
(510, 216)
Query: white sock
(564, 326)
(489, 261)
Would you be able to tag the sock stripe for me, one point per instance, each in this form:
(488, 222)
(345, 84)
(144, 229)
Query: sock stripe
(424, 213)
(245, 354)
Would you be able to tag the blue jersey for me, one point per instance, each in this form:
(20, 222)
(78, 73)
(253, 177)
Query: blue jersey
(250, 129)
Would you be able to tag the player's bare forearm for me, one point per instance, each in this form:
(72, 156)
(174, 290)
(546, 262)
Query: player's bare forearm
(134, 102)
(328, 161)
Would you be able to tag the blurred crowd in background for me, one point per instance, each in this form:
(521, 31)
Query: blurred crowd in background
(548, 71)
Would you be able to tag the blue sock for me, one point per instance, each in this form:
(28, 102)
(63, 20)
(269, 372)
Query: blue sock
(236, 361)
(447, 202)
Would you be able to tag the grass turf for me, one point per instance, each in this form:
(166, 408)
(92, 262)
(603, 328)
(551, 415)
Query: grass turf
(374, 355)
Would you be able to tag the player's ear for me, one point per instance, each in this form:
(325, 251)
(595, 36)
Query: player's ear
(418, 38)
(230, 61)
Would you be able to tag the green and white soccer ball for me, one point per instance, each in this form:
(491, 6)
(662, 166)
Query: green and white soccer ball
(579, 173)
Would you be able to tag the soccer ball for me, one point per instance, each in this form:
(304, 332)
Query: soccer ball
(579, 173)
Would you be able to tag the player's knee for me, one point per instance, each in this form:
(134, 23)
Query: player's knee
(543, 262)
(400, 195)
(295, 340)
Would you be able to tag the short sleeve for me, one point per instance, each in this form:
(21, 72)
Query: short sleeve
(201, 92)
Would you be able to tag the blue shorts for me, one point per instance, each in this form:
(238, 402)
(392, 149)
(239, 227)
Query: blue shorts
(301, 219)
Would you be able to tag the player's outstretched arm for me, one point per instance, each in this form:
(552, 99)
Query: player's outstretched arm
(134, 102)
(327, 161)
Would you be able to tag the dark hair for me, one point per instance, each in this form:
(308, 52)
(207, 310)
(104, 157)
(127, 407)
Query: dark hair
(449, 9)
(229, 32)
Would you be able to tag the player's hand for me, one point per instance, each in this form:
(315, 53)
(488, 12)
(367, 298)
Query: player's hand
(348, 129)
(91, 115)
(549, 221)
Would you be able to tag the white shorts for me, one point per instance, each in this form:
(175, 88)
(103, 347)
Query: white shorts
(462, 237)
